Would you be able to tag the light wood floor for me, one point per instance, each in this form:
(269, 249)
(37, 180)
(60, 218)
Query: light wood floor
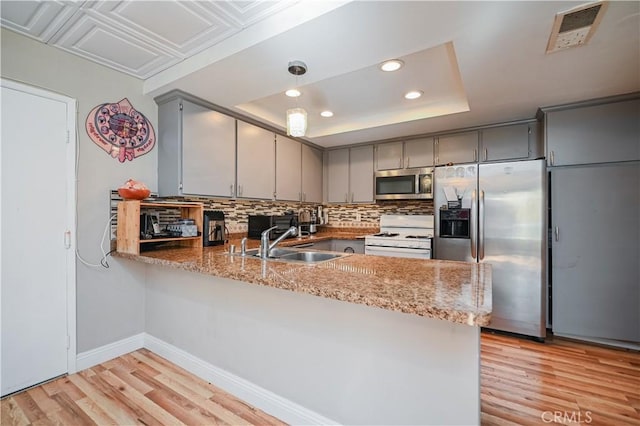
(523, 382)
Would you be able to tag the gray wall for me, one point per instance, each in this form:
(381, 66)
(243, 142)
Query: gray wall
(110, 302)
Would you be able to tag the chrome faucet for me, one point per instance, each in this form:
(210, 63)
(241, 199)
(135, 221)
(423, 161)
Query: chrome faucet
(265, 247)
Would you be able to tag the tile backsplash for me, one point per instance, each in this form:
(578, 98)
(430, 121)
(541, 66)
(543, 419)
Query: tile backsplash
(236, 212)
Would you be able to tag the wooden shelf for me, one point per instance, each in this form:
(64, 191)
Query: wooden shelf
(128, 229)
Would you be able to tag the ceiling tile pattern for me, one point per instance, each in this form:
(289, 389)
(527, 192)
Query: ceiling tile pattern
(141, 38)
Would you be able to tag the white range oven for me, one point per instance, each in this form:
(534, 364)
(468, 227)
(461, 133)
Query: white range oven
(402, 236)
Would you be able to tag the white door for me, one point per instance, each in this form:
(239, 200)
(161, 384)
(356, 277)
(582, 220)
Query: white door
(38, 270)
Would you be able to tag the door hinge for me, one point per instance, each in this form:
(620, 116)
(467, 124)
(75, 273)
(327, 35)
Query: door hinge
(180, 106)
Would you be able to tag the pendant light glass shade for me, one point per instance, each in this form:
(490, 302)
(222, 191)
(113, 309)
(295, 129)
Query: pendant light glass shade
(296, 122)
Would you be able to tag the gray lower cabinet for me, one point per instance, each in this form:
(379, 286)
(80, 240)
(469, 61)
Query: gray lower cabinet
(511, 142)
(348, 246)
(256, 162)
(457, 148)
(593, 134)
(596, 251)
(196, 150)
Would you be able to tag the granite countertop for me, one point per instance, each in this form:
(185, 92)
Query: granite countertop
(459, 292)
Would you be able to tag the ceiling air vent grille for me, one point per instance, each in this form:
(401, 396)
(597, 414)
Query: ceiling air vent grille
(576, 26)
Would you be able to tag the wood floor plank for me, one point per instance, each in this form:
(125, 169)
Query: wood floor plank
(12, 414)
(29, 407)
(72, 414)
(139, 399)
(97, 414)
(109, 404)
(522, 383)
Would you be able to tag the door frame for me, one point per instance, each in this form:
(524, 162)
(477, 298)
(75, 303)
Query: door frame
(71, 171)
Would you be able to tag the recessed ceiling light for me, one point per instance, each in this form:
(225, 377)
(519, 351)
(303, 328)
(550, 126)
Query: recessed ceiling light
(292, 93)
(414, 94)
(326, 114)
(391, 65)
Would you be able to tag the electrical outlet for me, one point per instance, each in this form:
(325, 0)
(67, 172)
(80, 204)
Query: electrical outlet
(358, 217)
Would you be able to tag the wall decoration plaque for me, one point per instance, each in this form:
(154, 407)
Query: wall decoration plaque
(120, 130)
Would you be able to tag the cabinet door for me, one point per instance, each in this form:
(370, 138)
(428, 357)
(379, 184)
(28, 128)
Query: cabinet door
(256, 162)
(338, 176)
(208, 151)
(288, 169)
(594, 134)
(389, 156)
(595, 252)
(506, 142)
(361, 174)
(458, 148)
(311, 174)
(418, 153)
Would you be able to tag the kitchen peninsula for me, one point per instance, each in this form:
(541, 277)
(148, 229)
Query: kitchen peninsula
(389, 341)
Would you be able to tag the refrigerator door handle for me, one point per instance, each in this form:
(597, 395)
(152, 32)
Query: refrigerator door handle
(481, 227)
(474, 220)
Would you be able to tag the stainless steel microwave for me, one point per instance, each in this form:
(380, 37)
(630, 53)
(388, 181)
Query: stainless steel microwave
(404, 184)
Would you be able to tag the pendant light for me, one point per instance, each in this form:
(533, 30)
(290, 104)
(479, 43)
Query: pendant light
(297, 117)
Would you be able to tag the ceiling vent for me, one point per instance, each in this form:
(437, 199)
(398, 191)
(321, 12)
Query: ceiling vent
(576, 26)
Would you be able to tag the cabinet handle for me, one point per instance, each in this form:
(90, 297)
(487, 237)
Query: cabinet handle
(346, 197)
(408, 162)
(551, 158)
(400, 163)
(557, 232)
(475, 154)
(486, 154)
(231, 190)
(240, 190)
(352, 197)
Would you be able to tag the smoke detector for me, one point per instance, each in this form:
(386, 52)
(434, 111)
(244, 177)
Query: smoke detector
(576, 26)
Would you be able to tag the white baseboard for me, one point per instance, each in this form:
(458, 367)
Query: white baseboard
(267, 401)
(112, 350)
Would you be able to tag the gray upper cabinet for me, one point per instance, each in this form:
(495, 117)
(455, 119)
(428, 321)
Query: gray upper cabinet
(288, 169)
(389, 156)
(399, 155)
(350, 175)
(507, 142)
(457, 148)
(361, 174)
(196, 150)
(338, 176)
(311, 174)
(418, 153)
(256, 162)
(593, 134)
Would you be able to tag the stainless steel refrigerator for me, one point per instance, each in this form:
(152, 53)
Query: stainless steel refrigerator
(506, 207)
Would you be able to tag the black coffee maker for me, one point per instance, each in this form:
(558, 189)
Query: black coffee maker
(213, 232)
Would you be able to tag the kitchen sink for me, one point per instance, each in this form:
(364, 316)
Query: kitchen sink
(295, 255)
(310, 256)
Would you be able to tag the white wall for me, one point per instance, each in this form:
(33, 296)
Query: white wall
(110, 302)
